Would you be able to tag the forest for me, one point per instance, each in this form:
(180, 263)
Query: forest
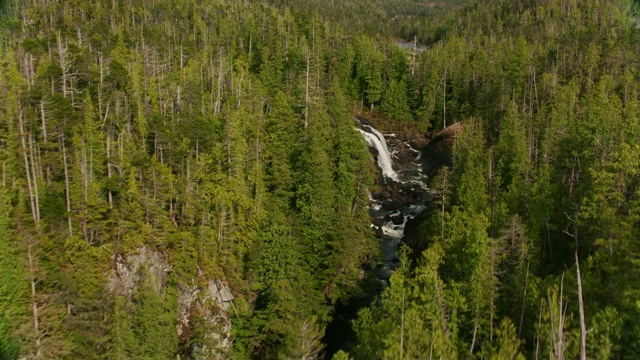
(182, 179)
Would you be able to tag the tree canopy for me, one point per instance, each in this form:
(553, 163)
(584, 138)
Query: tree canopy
(152, 151)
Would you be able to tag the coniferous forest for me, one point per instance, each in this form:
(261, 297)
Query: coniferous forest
(183, 179)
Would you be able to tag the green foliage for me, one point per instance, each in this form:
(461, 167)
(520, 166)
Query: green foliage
(395, 103)
(154, 323)
(304, 342)
(220, 135)
(507, 343)
(84, 282)
(422, 311)
(177, 128)
(544, 174)
(13, 288)
(122, 344)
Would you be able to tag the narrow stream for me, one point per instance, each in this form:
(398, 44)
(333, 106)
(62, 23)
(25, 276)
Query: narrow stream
(400, 195)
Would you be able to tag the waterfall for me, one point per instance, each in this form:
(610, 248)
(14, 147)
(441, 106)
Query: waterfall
(399, 196)
(375, 139)
(398, 201)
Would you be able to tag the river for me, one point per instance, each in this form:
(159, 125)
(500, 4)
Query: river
(401, 194)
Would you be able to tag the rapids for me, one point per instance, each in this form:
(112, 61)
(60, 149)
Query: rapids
(401, 193)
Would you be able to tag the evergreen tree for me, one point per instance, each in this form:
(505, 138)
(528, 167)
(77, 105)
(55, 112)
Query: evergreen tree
(395, 103)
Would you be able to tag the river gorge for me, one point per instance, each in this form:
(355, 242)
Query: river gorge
(399, 196)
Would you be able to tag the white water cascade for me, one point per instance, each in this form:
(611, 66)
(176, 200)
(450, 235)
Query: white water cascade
(375, 139)
(403, 198)
(399, 197)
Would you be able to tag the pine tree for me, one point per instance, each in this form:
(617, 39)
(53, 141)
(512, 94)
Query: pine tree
(395, 104)
(13, 288)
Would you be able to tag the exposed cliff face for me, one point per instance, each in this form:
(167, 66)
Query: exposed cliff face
(212, 304)
(196, 303)
(127, 273)
(439, 151)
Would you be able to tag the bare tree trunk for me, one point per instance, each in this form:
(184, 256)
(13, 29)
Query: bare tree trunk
(444, 191)
(85, 170)
(230, 130)
(414, 53)
(442, 310)
(475, 334)
(524, 299)
(64, 63)
(120, 153)
(35, 178)
(43, 118)
(402, 329)
(27, 168)
(110, 196)
(100, 61)
(86, 177)
(187, 193)
(538, 332)
(491, 306)
(558, 337)
(306, 95)
(221, 225)
(583, 326)
(258, 192)
(35, 309)
(34, 300)
(444, 101)
(201, 243)
(217, 103)
(66, 184)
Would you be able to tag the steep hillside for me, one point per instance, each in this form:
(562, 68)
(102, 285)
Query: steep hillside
(182, 179)
(156, 152)
(531, 242)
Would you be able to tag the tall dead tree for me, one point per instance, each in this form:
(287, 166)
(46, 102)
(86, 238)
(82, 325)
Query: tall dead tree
(573, 222)
(306, 92)
(29, 240)
(31, 185)
(66, 183)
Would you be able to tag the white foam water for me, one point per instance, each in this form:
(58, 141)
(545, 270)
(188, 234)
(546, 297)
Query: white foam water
(376, 139)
